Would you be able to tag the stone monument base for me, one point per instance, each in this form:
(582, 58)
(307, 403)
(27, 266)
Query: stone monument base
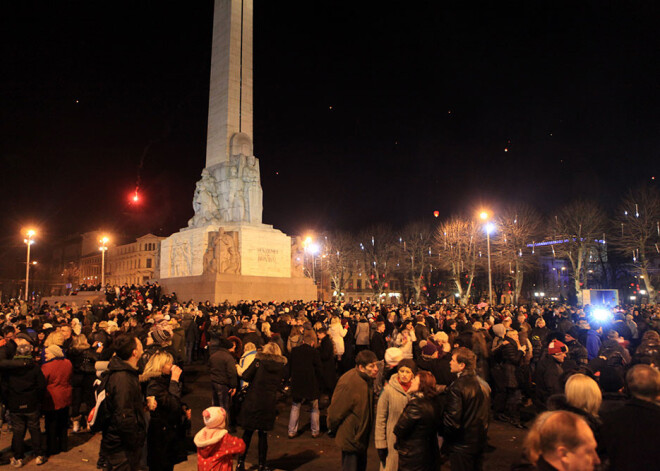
(220, 287)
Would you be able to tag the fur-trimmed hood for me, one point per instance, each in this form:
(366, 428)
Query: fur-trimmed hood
(209, 436)
(268, 357)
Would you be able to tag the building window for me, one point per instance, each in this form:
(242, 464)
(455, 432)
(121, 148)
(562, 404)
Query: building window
(359, 284)
(148, 263)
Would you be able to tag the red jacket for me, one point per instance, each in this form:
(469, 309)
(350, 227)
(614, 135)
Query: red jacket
(58, 373)
(216, 449)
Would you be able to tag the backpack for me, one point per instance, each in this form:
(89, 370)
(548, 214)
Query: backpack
(99, 416)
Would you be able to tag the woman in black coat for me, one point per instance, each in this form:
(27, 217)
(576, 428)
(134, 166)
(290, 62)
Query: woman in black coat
(166, 433)
(83, 358)
(418, 427)
(259, 409)
(328, 363)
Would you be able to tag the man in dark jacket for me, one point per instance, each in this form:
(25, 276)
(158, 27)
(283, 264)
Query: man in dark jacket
(629, 434)
(465, 418)
(23, 387)
(549, 371)
(224, 377)
(305, 372)
(125, 432)
(378, 344)
(351, 412)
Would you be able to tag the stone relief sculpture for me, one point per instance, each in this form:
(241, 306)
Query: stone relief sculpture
(297, 258)
(222, 254)
(253, 193)
(180, 259)
(230, 261)
(205, 201)
(230, 192)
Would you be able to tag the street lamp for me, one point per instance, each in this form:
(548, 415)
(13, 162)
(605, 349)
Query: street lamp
(313, 249)
(30, 233)
(489, 227)
(103, 248)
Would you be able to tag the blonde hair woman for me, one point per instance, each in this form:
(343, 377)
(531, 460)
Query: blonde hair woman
(581, 396)
(583, 393)
(165, 436)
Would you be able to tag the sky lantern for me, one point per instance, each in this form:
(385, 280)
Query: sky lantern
(436, 213)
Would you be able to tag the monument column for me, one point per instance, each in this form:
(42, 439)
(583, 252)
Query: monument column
(230, 91)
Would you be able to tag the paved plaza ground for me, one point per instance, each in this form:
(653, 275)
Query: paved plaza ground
(302, 453)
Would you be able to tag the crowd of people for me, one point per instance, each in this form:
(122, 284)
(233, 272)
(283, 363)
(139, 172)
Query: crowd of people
(420, 383)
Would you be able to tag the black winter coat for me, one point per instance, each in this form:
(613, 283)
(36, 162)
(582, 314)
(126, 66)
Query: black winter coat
(629, 436)
(265, 375)
(328, 366)
(127, 428)
(439, 368)
(23, 386)
(466, 414)
(378, 344)
(223, 368)
(166, 435)
(417, 435)
(305, 372)
(509, 360)
(547, 376)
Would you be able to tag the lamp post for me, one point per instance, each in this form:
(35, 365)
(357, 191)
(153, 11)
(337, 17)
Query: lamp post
(28, 241)
(490, 227)
(103, 248)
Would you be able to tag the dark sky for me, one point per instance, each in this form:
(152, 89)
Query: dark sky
(365, 112)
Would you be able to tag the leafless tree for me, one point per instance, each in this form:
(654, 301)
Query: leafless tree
(637, 232)
(579, 226)
(415, 255)
(339, 256)
(516, 227)
(378, 247)
(458, 243)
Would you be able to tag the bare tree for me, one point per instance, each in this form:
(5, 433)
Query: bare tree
(340, 253)
(378, 248)
(415, 255)
(516, 226)
(457, 243)
(637, 232)
(578, 227)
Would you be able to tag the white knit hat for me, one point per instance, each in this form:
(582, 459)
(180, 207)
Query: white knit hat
(214, 417)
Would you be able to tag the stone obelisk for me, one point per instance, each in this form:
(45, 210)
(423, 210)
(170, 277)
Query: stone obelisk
(230, 91)
(226, 252)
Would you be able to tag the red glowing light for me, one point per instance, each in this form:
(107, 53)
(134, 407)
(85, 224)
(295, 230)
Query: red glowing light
(436, 213)
(135, 197)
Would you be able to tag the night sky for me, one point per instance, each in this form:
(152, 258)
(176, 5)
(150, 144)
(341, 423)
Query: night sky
(365, 112)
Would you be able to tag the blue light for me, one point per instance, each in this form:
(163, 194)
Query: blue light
(556, 242)
(601, 314)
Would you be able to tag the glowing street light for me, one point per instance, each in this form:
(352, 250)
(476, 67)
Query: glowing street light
(489, 228)
(103, 248)
(29, 240)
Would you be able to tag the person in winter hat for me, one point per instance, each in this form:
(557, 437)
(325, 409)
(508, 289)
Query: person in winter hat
(215, 447)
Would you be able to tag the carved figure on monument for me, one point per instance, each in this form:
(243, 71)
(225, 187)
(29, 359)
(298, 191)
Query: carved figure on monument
(252, 188)
(180, 261)
(210, 256)
(297, 258)
(205, 201)
(236, 195)
(222, 255)
(231, 259)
